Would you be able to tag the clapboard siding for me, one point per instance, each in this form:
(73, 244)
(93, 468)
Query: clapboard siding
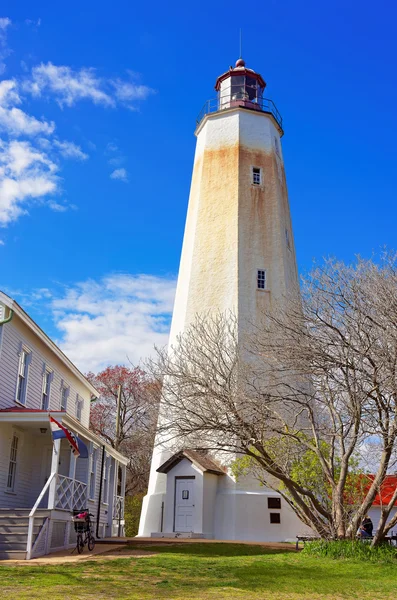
(35, 449)
(28, 473)
(14, 335)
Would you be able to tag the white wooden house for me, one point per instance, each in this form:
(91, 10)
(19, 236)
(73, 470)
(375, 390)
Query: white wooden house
(41, 481)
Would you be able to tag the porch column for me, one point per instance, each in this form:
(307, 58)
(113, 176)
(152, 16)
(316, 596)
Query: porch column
(56, 448)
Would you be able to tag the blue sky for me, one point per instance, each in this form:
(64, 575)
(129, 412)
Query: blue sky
(97, 114)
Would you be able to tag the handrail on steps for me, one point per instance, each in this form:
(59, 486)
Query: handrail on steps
(31, 516)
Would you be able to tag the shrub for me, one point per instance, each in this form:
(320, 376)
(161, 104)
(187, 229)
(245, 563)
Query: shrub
(355, 549)
(132, 513)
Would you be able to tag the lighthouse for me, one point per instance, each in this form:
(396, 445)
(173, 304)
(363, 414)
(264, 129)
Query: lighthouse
(238, 255)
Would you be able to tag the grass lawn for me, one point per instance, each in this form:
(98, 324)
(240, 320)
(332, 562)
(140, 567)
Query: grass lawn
(203, 572)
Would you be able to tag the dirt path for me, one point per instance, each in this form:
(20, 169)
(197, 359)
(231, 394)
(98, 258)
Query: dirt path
(100, 552)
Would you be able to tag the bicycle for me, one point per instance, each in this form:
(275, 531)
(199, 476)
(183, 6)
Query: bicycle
(82, 526)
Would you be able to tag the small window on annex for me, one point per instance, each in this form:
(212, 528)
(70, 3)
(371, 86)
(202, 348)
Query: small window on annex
(274, 502)
(261, 279)
(256, 176)
(275, 518)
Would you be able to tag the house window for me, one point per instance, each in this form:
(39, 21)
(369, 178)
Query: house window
(275, 518)
(45, 394)
(261, 279)
(256, 176)
(22, 376)
(12, 466)
(106, 471)
(274, 502)
(64, 397)
(93, 463)
(79, 407)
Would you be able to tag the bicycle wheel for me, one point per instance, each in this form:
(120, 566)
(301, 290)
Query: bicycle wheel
(80, 543)
(91, 543)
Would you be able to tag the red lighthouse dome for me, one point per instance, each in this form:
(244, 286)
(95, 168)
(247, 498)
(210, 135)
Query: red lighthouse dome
(240, 86)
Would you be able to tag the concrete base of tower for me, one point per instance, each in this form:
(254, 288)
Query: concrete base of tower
(152, 514)
(202, 504)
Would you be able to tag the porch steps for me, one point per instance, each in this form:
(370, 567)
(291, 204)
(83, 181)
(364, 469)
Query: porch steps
(14, 524)
(12, 555)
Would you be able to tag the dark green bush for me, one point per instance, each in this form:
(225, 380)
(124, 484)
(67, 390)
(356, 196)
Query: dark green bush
(132, 513)
(354, 549)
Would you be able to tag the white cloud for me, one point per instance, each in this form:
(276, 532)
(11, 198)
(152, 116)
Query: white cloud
(2, 243)
(33, 22)
(115, 319)
(57, 207)
(120, 174)
(112, 147)
(69, 86)
(16, 122)
(26, 174)
(9, 93)
(5, 22)
(127, 91)
(28, 170)
(70, 150)
(66, 85)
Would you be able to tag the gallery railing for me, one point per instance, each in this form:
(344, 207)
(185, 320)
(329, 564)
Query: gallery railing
(264, 105)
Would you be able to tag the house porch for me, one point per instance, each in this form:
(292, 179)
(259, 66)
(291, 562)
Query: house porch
(45, 483)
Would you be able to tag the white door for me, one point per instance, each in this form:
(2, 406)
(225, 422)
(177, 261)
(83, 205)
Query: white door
(184, 504)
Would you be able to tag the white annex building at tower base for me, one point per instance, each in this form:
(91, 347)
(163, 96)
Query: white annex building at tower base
(238, 255)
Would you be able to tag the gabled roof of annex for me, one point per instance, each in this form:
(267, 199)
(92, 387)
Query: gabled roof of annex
(203, 462)
(25, 318)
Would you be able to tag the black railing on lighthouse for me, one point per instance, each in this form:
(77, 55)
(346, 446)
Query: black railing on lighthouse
(226, 102)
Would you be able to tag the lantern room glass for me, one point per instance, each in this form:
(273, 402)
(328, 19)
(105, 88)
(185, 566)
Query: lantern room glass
(246, 88)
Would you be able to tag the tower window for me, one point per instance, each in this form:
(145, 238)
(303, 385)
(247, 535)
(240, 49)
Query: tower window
(261, 279)
(287, 239)
(275, 518)
(277, 146)
(256, 176)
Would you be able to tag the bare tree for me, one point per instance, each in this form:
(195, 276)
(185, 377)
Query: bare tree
(314, 383)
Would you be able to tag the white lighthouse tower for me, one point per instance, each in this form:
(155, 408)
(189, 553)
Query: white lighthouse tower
(238, 255)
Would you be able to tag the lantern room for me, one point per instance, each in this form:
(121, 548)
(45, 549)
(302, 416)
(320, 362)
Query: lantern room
(240, 86)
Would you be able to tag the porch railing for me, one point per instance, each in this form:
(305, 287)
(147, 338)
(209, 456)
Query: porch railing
(70, 493)
(32, 513)
(118, 508)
